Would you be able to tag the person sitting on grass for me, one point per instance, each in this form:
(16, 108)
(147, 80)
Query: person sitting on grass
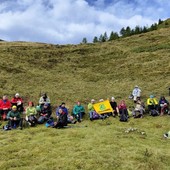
(45, 113)
(114, 107)
(78, 111)
(70, 118)
(91, 108)
(92, 113)
(17, 101)
(152, 104)
(61, 120)
(14, 119)
(123, 111)
(31, 114)
(139, 109)
(163, 106)
(5, 107)
(44, 99)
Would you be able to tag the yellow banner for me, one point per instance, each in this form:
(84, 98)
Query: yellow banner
(103, 107)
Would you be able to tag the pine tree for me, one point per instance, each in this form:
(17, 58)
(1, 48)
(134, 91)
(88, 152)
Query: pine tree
(101, 38)
(95, 40)
(128, 31)
(122, 32)
(145, 29)
(137, 30)
(160, 22)
(113, 36)
(105, 37)
(84, 41)
(153, 27)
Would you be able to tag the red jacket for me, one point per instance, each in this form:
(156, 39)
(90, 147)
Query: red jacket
(15, 100)
(4, 104)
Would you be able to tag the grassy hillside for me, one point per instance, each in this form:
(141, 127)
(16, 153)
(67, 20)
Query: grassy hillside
(81, 72)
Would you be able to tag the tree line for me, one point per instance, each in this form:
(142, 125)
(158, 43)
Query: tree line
(124, 32)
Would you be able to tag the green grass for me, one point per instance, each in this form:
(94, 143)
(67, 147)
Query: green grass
(80, 72)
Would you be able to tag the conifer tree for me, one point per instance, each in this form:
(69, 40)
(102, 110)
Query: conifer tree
(84, 41)
(113, 36)
(95, 40)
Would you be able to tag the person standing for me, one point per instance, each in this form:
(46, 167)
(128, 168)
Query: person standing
(136, 93)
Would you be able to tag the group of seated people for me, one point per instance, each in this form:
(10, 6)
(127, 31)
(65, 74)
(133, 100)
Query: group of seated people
(42, 113)
(13, 112)
(154, 108)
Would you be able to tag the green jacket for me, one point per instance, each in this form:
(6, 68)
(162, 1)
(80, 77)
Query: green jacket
(31, 111)
(12, 114)
(90, 107)
(78, 109)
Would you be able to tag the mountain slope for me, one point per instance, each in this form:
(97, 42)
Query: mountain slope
(81, 72)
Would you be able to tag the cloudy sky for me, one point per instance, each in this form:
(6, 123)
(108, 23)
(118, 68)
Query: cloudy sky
(68, 21)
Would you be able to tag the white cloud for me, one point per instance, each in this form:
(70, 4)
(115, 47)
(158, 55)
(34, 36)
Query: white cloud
(63, 22)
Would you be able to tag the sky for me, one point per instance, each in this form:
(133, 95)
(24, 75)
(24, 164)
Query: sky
(69, 21)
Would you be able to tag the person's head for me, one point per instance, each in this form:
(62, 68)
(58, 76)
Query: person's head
(101, 100)
(92, 101)
(44, 95)
(162, 98)
(78, 103)
(136, 87)
(60, 111)
(14, 108)
(63, 104)
(151, 96)
(122, 102)
(112, 99)
(5, 97)
(46, 105)
(30, 104)
(17, 95)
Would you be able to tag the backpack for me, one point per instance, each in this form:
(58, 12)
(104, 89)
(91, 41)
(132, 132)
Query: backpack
(123, 118)
(154, 112)
(6, 127)
(50, 122)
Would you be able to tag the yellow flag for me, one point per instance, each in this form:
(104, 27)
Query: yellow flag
(103, 107)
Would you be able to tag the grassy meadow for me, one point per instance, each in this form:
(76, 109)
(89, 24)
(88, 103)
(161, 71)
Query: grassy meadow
(81, 72)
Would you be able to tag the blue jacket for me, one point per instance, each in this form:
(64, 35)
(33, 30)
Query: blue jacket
(65, 110)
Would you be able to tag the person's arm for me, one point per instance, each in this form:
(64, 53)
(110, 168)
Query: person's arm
(13, 101)
(57, 113)
(155, 101)
(9, 115)
(133, 92)
(148, 102)
(90, 107)
(74, 110)
(41, 101)
(35, 111)
(48, 100)
(27, 111)
(82, 109)
(8, 105)
(18, 117)
(49, 112)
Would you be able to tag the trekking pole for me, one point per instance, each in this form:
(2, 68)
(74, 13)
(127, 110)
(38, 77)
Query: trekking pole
(169, 91)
